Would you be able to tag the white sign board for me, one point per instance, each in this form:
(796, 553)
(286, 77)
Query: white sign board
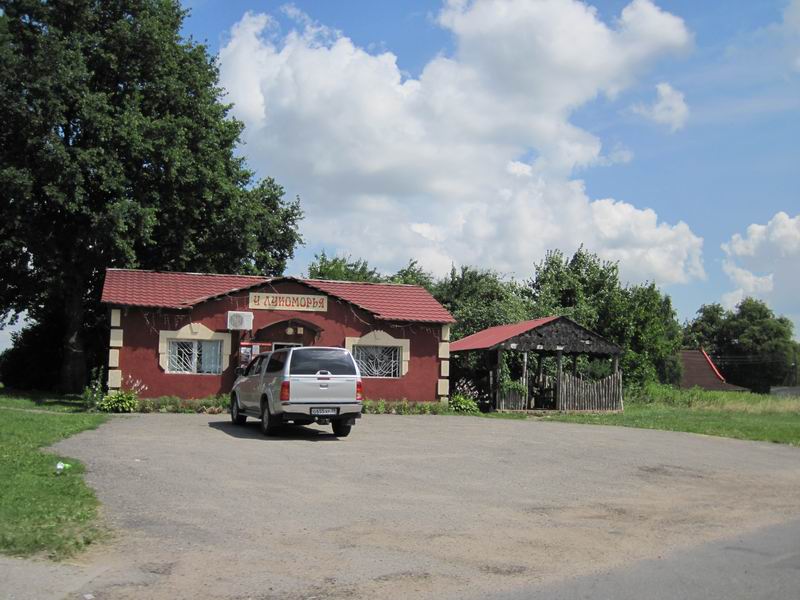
(301, 302)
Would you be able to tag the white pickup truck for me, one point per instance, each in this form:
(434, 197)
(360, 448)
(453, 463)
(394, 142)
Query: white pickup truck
(299, 385)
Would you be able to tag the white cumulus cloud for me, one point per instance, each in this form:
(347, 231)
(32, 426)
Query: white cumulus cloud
(472, 161)
(669, 109)
(763, 262)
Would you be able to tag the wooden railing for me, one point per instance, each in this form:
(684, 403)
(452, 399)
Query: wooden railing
(579, 394)
(573, 393)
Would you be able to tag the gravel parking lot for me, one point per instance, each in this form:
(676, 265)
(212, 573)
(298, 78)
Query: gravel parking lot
(406, 507)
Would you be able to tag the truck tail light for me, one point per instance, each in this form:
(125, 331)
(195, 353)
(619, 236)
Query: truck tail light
(285, 391)
(359, 391)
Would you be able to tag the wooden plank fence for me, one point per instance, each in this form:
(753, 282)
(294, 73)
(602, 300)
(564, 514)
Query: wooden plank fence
(578, 394)
(574, 393)
(513, 400)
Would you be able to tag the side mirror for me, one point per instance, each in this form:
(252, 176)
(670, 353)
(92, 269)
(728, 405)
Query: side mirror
(239, 371)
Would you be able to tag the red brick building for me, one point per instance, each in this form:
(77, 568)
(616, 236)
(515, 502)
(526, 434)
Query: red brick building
(184, 334)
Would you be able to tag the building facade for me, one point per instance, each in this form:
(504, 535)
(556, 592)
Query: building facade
(184, 334)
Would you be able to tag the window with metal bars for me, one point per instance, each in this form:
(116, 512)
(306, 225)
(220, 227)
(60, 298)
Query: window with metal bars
(195, 356)
(377, 361)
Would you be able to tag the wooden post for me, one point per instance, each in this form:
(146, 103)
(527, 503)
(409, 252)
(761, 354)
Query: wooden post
(575, 366)
(540, 369)
(615, 363)
(525, 377)
(497, 378)
(557, 387)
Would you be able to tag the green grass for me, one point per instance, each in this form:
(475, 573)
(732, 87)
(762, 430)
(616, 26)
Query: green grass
(41, 512)
(41, 402)
(728, 414)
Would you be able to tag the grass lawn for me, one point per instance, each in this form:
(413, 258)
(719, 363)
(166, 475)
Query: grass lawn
(41, 402)
(41, 512)
(728, 414)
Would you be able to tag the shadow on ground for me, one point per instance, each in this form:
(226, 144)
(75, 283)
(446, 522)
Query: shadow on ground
(252, 431)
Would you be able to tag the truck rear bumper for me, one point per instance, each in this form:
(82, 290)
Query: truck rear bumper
(302, 412)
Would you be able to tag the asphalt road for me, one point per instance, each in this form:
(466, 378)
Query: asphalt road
(428, 507)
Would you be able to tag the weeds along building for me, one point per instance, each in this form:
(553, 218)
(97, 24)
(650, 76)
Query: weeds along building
(184, 334)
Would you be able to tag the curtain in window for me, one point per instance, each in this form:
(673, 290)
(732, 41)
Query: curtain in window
(210, 357)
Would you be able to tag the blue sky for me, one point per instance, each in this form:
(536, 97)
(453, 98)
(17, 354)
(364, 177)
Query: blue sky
(730, 165)
(468, 132)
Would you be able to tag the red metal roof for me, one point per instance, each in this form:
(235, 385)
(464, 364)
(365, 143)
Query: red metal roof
(391, 302)
(489, 338)
(131, 287)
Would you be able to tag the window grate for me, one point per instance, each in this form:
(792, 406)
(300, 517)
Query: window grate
(378, 361)
(181, 357)
(195, 357)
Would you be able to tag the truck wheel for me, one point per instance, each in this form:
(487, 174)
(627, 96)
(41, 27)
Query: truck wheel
(268, 426)
(237, 417)
(340, 429)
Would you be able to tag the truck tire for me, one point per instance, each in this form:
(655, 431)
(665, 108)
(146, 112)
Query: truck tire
(341, 429)
(268, 426)
(236, 417)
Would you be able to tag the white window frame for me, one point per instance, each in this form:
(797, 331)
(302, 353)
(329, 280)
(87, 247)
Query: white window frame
(195, 354)
(398, 360)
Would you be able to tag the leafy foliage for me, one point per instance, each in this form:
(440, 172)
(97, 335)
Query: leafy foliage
(639, 318)
(121, 401)
(116, 151)
(342, 268)
(752, 346)
(93, 394)
(347, 268)
(403, 407)
(480, 298)
(463, 405)
(413, 274)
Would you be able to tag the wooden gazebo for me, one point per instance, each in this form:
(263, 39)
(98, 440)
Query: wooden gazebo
(556, 337)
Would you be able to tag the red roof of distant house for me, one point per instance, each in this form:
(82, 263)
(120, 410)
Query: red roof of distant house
(391, 302)
(700, 371)
(491, 337)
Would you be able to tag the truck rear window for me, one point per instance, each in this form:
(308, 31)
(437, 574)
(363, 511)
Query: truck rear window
(309, 361)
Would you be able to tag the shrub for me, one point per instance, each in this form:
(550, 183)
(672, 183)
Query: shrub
(121, 401)
(93, 393)
(403, 407)
(173, 404)
(463, 405)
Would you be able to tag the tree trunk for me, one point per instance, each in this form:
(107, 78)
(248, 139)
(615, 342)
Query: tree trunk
(73, 365)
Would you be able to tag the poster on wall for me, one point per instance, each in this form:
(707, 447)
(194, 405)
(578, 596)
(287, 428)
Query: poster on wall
(247, 350)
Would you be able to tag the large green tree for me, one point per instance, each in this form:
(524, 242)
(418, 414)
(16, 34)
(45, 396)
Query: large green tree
(639, 318)
(347, 268)
(480, 298)
(116, 151)
(753, 347)
(342, 268)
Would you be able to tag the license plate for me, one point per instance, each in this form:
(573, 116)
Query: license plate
(325, 411)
